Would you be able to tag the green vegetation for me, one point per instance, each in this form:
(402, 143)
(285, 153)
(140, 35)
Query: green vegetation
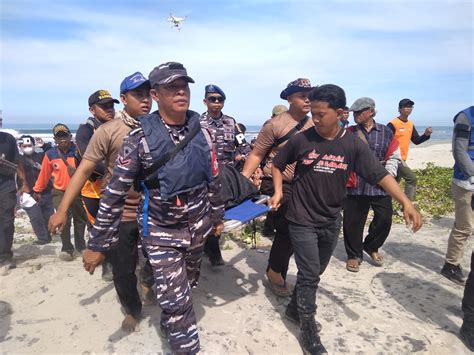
(433, 193)
(245, 234)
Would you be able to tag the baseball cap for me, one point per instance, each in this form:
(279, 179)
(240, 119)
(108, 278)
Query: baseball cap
(132, 82)
(168, 72)
(298, 85)
(405, 102)
(362, 103)
(278, 109)
(60, 128)
(214, 88)
(101, 97)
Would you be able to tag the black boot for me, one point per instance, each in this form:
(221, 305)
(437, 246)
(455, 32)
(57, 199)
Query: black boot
(308, 338)
(292, 315)
(213, 251)
(467, 334)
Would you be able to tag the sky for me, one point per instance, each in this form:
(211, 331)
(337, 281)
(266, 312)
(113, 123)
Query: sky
(55, 53)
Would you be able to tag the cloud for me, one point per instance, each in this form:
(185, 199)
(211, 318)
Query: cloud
(381, 48)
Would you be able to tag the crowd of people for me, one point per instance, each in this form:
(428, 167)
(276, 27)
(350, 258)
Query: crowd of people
(150, 183)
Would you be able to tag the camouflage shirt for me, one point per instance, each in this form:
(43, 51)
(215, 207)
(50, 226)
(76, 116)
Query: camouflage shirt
(223, 136)
(171, 222)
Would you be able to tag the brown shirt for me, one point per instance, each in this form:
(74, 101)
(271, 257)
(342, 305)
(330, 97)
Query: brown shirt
(272, 130)
(105, 145)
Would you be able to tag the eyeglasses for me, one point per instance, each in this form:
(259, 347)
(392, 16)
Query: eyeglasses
(215, 99)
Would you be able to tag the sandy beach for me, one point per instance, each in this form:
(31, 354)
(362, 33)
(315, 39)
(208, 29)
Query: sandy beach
(49, 306)
(440, 154)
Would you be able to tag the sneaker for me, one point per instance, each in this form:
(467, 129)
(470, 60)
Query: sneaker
(467, 336)
(309, 339)
(453, 273)
(292, 315)
(65, 256)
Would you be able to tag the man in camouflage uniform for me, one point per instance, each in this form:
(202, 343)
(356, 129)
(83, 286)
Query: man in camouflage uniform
(222, 128)
(180, 201)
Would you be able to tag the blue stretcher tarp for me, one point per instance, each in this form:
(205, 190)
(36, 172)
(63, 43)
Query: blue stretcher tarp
(246, 211)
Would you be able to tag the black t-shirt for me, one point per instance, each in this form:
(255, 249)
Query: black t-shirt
(319, 189)
(8, 151)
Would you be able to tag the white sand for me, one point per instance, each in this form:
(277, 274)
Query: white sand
(438, 153)
(403, 307)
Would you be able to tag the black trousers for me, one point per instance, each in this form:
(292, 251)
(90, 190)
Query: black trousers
(7, 223)
(356, 209)
(468, 299)
(124, 261)
(313, 249)
(281, 250)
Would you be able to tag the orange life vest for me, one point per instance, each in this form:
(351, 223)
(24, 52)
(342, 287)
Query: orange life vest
(403, 133)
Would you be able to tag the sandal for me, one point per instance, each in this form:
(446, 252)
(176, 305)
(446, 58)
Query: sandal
(352, 265)
(377, 259)
(279, 290)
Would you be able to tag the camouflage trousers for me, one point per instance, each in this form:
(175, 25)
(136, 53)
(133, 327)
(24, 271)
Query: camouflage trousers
(176, 271)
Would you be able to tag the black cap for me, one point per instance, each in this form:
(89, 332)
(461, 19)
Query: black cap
(168, 72)
(405, 102)
(101, 97)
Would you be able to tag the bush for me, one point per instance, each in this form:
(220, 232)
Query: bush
(433, 192)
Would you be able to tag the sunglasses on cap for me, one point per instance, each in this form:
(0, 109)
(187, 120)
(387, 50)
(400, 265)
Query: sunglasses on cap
(215, 99)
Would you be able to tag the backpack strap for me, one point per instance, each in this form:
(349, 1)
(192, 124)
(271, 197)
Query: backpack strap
(167, 157)
(295, 129)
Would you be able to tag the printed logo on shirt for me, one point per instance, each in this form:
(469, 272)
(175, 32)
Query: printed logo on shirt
(329, 163)
(312, 156)
(55, 166)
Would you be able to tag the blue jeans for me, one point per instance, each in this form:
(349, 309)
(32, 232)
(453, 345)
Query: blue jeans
(313, 248)
(39, 216)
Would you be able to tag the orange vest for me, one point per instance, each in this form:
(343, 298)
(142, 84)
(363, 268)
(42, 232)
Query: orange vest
(91, 189)
(403, 132)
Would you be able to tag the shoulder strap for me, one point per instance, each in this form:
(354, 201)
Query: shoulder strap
(361, 135)
(291, 132)
(171, 154)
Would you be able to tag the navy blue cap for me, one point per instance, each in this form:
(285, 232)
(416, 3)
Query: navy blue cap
(132, 82)
(213, 88)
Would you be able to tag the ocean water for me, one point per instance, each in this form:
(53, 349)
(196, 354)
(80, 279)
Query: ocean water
(441, 134)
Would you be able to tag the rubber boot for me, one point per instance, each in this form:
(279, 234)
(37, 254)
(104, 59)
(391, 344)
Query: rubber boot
(309, 338)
